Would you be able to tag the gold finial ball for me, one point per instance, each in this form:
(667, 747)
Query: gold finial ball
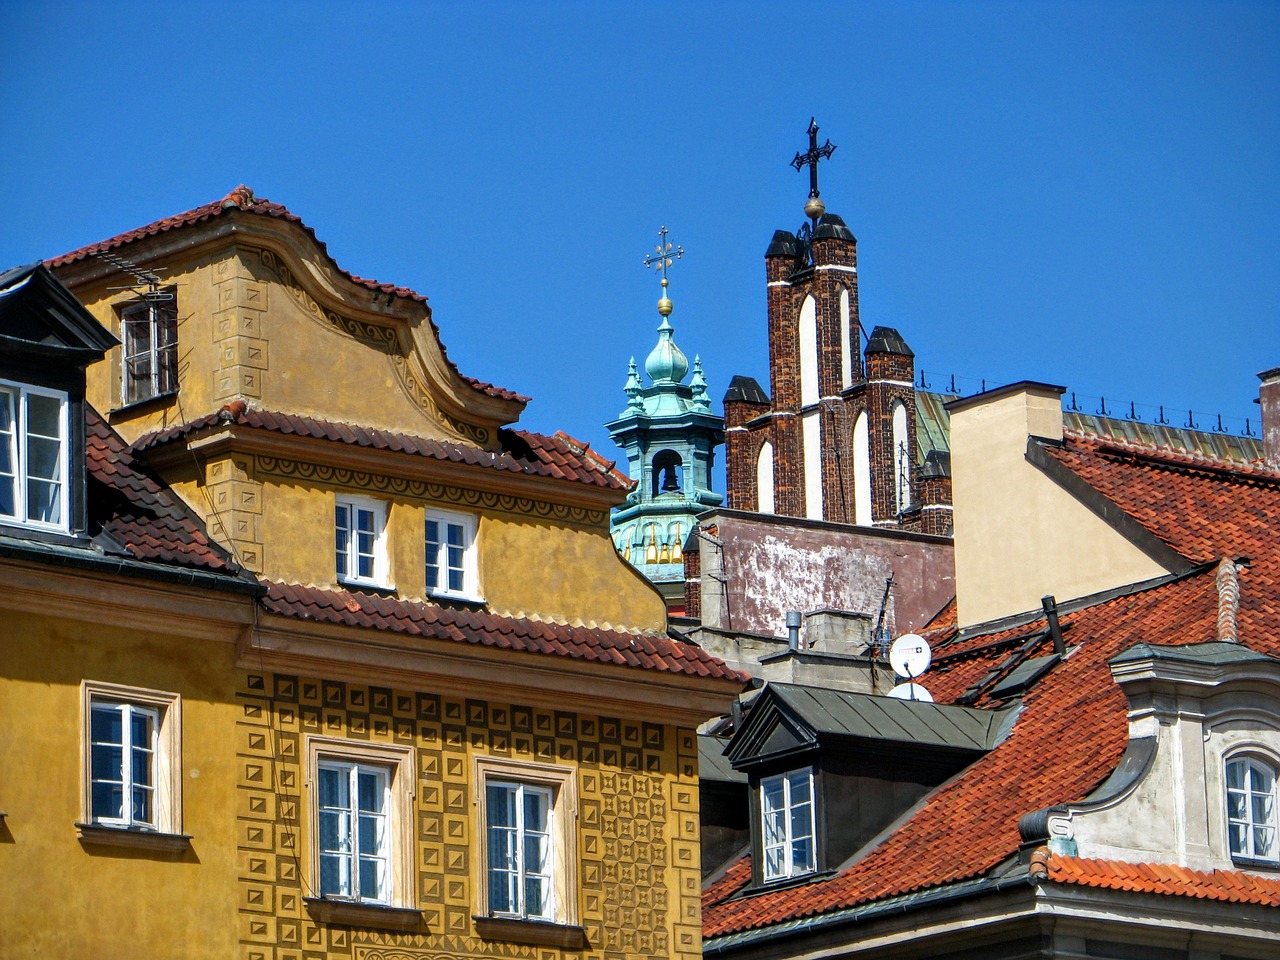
(814, 208)
(665, 306)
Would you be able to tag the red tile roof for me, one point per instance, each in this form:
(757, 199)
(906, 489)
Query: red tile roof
(477, 627)
(560, 456)
(1073, 726)
(1164, 878)
(126, 503)
(242, 199)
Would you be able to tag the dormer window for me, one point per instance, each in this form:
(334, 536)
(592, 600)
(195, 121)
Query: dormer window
(1251, 810)
(150, 346)
(33, 456)
(787, 825)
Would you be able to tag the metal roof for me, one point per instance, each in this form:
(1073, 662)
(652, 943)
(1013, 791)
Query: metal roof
(713, 764)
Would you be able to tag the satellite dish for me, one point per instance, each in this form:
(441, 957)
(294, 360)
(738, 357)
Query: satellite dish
(911, 691)
(910, 655)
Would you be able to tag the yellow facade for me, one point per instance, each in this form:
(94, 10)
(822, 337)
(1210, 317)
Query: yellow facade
(270, 700)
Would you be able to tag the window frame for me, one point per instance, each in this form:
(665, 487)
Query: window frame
(348, 573)
(15, 394)
(398, 765)
(791, 870)
(162, 379)
(1251, 761)
(166, 759)
(470, 556)
(561, 785)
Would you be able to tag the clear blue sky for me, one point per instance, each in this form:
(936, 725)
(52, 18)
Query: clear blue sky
(1085, 193)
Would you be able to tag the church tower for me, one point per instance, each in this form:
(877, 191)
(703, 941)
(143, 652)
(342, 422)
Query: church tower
(669, 434)
(835, 440)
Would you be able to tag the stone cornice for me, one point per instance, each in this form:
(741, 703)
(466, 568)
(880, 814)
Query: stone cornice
(360, 655)
(100, 598)
(323, 460)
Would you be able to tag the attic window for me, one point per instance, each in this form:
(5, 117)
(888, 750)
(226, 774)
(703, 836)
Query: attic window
(33, 456)
(150, 329)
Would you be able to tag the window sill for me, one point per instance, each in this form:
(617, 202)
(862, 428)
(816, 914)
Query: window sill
(96, 834)
(1252, 863)
(460, 599)
(540, 933)
(377, 916)
(141, 406)
(367, 586)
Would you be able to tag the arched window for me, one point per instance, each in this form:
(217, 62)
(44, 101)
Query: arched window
(1251, 809)
(901, 459)
(667, 472)
(861, 471)
(675, 537)
(764, 479)
(846, 348)
(809, 387)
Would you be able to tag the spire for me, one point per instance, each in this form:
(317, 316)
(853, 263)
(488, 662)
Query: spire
(699, 384)
(632, 390)
(814, 208)
(666, 363)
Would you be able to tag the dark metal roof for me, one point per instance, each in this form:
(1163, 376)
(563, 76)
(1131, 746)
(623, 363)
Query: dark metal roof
(713, 765)
(888, 340)
(832, 225)
(789, 718)
(745, 390)
(1214, 652)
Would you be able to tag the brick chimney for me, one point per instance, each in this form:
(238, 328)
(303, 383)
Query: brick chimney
(1269, 399)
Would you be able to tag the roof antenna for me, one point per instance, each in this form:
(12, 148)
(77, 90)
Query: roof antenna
(880, 638)
(153, 293)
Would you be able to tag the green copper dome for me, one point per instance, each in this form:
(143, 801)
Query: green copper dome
(666, 363)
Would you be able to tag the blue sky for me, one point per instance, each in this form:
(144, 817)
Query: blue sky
(1084, 193)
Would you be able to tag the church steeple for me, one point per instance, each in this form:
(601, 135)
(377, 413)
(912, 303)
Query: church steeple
(669, 434)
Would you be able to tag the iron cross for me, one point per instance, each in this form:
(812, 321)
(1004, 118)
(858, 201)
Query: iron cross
(662, 256)
(812, 157)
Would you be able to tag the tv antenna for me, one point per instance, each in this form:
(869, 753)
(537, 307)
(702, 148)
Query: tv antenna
(910, 657)
(153, 292)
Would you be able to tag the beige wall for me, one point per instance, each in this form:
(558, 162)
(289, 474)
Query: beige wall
(1018, 534)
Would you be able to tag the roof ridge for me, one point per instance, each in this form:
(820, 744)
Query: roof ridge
(1166, 454)
(242, 198)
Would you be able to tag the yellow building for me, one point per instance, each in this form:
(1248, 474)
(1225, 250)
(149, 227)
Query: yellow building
(430, 712)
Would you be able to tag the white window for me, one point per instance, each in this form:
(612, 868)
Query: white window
(901, 459)
(518, 830)
(1251, 809)
(132, 771)
(150, 346)
(361, 815)
(359, 545)
(527, 840)
(764, 478)
(33, 456)
(354, 840)
(451, 555)
(787, 835)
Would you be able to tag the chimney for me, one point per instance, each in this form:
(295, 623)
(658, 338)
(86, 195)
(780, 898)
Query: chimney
(1228, 600)
(1269, 399)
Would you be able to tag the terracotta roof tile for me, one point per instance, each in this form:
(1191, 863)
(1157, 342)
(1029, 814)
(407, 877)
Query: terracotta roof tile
(242, 200)
(129, 505)
(523, 452)
(1168, 879)
(1073, 726)
(434, 622)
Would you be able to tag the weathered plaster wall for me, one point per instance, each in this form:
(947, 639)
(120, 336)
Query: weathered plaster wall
(774, 564)
(154, 904)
